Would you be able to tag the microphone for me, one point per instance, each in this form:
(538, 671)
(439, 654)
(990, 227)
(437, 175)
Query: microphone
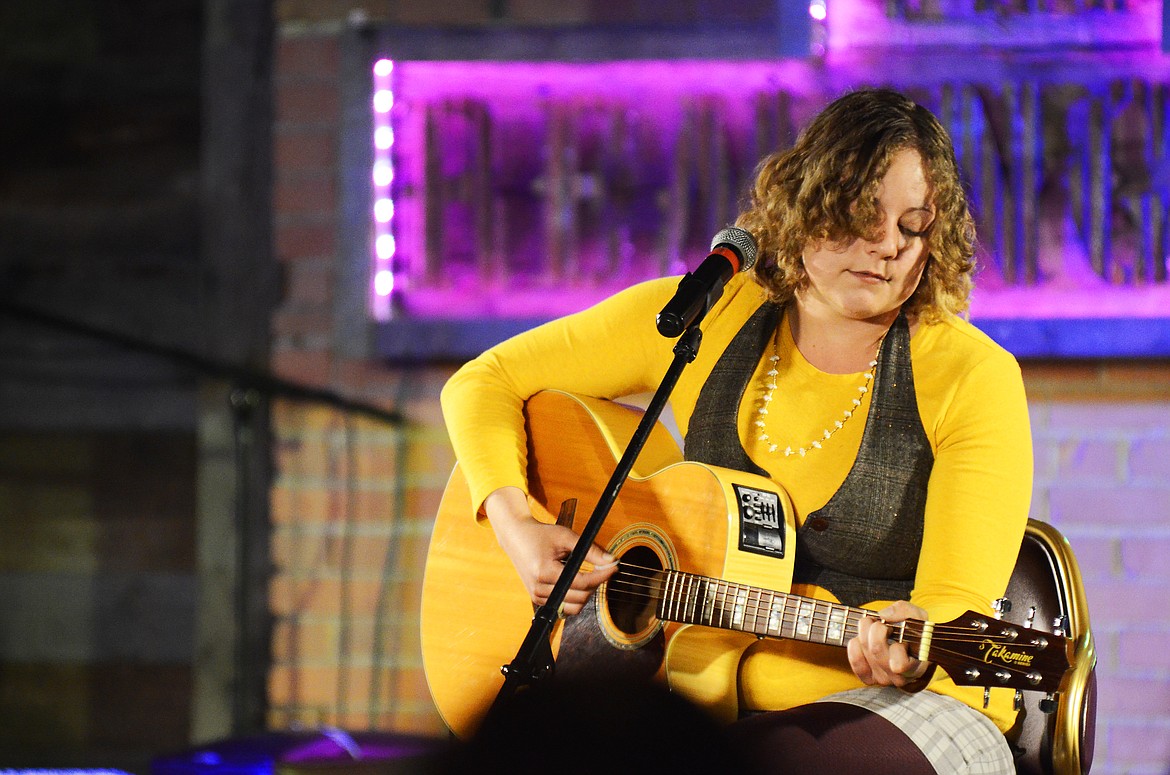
(733, 250)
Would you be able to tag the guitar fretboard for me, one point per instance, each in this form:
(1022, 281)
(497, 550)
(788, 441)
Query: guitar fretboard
(691, 599)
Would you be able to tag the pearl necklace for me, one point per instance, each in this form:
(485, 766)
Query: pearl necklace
(766, 399)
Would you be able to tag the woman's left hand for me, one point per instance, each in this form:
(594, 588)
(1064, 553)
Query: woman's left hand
(875, 660)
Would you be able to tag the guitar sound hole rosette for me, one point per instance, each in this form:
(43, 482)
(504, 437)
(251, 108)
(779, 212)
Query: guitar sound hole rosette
(627, 612)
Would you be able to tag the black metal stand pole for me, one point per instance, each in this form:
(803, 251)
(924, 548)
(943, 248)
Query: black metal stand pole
(534, 660)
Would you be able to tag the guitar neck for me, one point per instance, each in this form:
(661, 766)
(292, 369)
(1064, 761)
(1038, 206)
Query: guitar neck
(691, 599)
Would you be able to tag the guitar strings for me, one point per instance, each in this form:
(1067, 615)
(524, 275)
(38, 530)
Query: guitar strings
(653, 578)
(640, 583)
(756, 618)
(646, 585)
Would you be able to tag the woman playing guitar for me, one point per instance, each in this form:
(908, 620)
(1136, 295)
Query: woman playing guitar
(840, 368)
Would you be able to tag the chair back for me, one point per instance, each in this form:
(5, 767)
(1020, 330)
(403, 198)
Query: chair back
(1046, 576)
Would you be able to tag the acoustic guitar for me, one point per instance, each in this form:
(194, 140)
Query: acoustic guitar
(704, 554)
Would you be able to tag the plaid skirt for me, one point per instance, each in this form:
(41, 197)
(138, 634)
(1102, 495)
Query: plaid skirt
(955, 737)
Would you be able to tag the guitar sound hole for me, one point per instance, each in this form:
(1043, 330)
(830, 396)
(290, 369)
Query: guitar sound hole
(632, 594)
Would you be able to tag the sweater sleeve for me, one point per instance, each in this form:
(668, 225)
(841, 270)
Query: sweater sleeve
(606, 351)
(979, 492)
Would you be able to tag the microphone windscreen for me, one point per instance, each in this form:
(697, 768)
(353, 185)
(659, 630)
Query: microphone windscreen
(739, 240)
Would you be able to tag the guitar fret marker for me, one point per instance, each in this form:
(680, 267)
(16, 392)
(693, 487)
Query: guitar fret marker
(804, 616)
(776, 615)
(739, 607)
(836, 624)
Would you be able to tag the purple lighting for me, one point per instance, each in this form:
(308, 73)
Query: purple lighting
(384, 246)
(521, 191)
(383, 210)
(383, 178)
(384, 283)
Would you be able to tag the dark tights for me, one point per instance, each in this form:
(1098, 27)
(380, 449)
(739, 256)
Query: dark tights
(826, 738)
(582, 728)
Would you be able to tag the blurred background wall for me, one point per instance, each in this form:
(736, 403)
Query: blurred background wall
(220, 444)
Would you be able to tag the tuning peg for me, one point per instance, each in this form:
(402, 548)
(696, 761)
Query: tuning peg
(1060, 625)
(1031, 617)
(986, 696)
(1018, 700)
(1002, 607)
(1048, 704)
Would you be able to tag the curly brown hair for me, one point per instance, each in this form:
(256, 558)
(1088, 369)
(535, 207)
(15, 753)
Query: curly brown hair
(824, 189)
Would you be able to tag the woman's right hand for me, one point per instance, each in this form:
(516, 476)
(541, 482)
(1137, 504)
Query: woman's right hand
(538, 550)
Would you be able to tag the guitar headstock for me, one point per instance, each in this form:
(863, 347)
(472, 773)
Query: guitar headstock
(977, 650)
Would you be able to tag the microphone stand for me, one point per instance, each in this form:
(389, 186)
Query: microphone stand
(534, 660)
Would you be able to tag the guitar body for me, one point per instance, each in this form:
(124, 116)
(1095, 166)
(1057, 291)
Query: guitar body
(670, 514)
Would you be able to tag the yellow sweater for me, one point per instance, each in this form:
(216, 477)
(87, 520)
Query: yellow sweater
(970, 398)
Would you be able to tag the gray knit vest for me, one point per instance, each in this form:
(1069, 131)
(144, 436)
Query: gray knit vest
(864, 543)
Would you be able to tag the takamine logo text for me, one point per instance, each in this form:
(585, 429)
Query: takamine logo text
(997, 652)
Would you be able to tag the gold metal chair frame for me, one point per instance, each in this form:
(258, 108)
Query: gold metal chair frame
(1047, 576)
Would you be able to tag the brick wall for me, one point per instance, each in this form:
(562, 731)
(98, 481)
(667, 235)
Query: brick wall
(352, 498)
(98, 452)
(97, 593)
(1102, 442)
(352, 508)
